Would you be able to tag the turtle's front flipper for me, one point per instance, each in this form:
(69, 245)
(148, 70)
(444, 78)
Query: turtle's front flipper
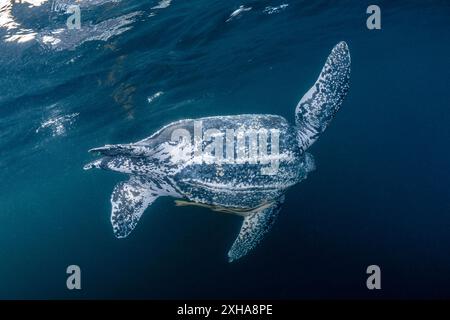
(318, 106)
(129, 201)
(254, 227)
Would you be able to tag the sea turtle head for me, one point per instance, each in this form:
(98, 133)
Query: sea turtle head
(152, 157)
(125, 158)
(319, 105)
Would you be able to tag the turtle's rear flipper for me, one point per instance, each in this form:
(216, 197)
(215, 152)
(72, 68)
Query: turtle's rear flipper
(253, 229)
(129, 201)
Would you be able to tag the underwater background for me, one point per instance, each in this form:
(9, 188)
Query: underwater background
(380, 194)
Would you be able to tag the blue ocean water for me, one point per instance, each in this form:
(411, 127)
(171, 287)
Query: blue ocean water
(380, 194)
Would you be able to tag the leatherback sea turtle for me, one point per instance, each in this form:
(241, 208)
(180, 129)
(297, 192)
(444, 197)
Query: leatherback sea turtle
(240, 164)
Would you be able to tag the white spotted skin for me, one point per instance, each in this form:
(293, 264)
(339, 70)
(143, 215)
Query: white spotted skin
(243, 185)
(129, 200)
(320, 104)
(237, 185)
(162, 166)
(253, 229)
